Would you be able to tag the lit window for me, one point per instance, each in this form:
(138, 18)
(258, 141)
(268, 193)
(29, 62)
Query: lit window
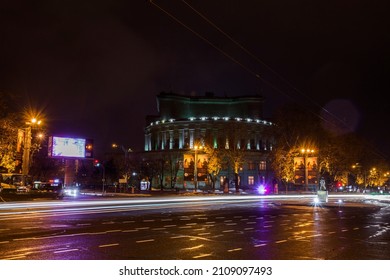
(251, 180)
(262, 165)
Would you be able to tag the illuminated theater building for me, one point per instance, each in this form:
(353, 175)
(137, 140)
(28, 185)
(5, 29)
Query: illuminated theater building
(185, 122)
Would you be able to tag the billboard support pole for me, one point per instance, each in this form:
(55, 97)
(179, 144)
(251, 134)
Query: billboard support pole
(69, 172)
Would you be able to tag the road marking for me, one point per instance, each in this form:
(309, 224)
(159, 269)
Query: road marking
(161, 228)
(314, 235)
(201, 256)
(108, 245)
(280, 241)
(144, 241)
(170, 226)
(229, 230)
(130, 230)
(148, 221)
(142, 228)
(65, 251)
(193, 248)
(233, 250)
(300, 237)
(25, 238)
(2, 242)
(179, 236)
(260, 245)
(248, 228)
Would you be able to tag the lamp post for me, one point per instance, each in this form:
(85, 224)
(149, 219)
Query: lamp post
(126, 153)
(360, 173)
(196, 148)
(306, 153)
(27, 144)
(103, 179)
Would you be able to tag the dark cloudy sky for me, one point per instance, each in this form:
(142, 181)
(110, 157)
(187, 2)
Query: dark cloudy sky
(94, 67)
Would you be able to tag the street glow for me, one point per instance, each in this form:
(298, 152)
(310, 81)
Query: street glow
(261, 189)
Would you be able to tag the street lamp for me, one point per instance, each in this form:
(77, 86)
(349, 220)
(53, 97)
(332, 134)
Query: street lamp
(97, 164)
(196, 148)
(27, 144)
(361, 172)
(306, 153)
(126, 152)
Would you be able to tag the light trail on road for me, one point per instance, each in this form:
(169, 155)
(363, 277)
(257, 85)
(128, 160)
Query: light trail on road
(71, 207)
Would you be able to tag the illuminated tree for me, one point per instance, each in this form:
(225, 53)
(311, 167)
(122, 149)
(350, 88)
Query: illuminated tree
(214, 164)
(8, 132)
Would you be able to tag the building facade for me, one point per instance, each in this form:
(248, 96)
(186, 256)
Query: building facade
(185, 123)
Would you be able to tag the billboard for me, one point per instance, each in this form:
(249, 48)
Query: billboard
(189, 167)
(303, 165)
(69, 147)
(299, 170)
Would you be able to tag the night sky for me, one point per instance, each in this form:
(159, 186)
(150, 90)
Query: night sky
(94, 68)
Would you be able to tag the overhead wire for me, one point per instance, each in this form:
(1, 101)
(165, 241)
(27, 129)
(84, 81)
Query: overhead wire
(257, 75)
(263, 63)
(254, 73)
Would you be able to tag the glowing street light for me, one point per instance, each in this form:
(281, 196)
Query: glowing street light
(126, 152)
(306, 153)
(196, 149)
(32, 123)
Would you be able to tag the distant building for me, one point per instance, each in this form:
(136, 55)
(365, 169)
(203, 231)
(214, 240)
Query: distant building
(229, 123)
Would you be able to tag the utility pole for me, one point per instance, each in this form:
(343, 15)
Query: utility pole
(26, 150)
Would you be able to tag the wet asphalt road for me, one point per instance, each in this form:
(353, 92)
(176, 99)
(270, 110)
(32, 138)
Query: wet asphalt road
(244, 229)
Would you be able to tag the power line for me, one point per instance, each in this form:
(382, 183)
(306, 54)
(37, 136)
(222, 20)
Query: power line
(254, 73)
(262, 63)
(257, 75)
